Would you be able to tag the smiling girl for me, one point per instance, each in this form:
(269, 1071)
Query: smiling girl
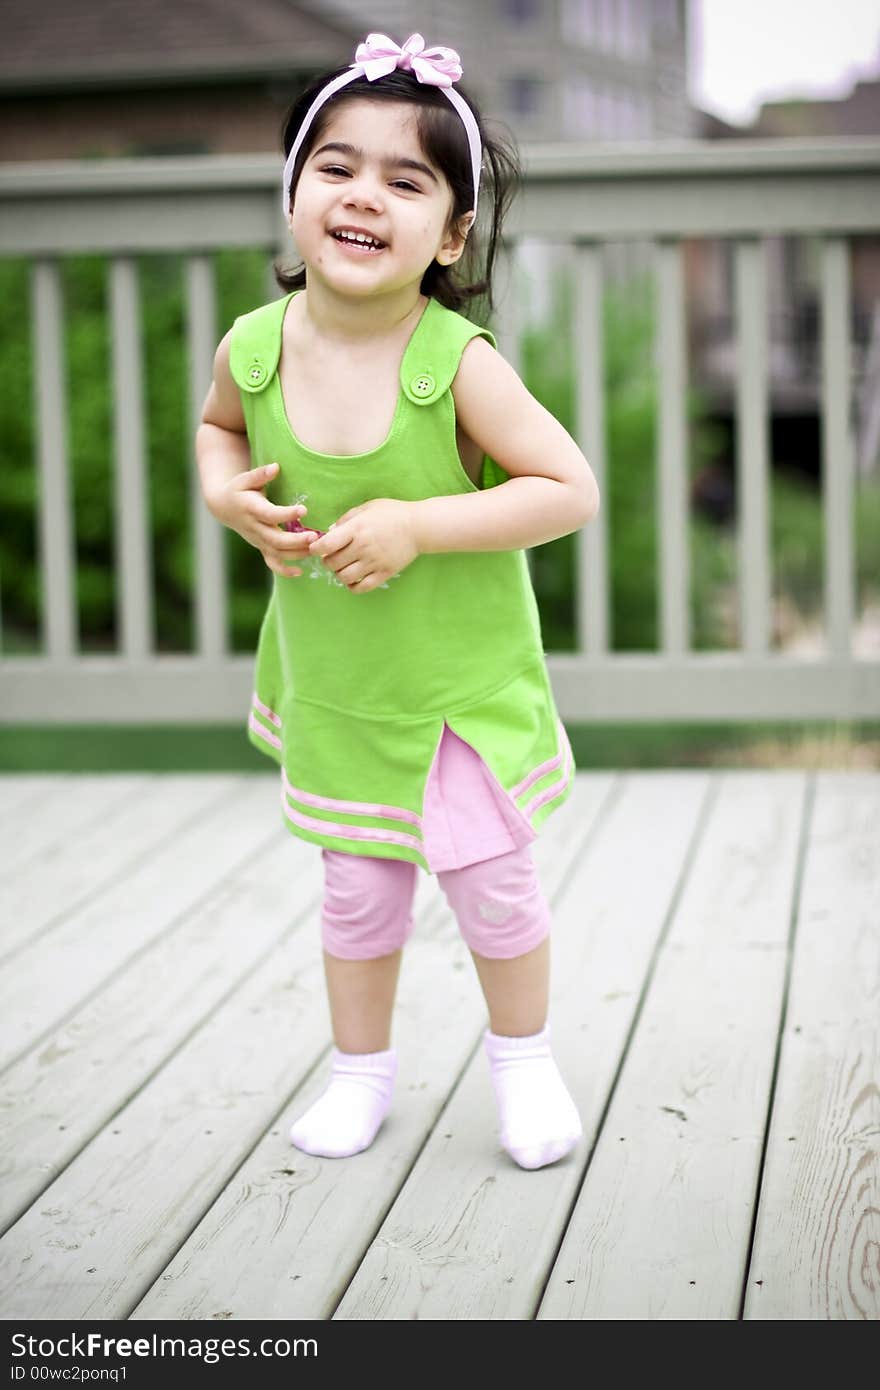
(400, 681)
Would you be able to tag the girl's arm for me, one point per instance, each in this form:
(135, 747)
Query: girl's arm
(232, 488)
(552, 490)
(222, 447)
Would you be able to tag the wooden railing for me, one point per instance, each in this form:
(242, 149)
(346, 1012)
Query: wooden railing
(660, 193)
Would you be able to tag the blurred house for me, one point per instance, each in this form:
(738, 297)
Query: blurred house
(793, 298)
(99, 78)
(576, 70)
(114, 78)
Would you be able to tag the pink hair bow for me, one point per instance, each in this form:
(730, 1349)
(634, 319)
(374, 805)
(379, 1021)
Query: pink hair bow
(379, 55)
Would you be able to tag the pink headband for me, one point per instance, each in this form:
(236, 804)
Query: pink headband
(379, 55)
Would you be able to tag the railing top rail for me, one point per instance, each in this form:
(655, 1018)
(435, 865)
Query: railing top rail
(647, 159)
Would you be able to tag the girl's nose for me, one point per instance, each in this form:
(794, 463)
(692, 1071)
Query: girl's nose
(363, 190)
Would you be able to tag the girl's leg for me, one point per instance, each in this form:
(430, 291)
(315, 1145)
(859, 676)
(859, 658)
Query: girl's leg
(505, 920)
(517, 989)
(367, 918)
(361, 994)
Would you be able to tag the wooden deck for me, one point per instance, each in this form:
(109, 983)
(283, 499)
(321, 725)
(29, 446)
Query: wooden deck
(715, 1012)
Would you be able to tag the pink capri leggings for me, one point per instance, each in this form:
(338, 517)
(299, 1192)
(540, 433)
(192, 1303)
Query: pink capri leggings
(368, 904)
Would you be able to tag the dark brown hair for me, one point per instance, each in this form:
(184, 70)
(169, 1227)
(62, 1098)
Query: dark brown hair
(444, 142)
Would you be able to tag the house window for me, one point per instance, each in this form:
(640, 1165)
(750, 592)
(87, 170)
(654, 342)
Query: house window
(519, 12)
(524, 95)
(577, 21)
(579, 107)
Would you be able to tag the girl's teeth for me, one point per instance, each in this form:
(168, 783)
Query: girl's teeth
(358, 241)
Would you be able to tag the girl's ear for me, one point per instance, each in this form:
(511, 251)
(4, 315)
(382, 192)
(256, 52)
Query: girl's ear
(453, 246)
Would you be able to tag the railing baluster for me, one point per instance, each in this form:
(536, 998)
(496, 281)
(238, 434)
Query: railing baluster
(837, 448)
(672, 472)
(133, 560)
(57, 555)
(591, 595)
(209, 575)
(508, 324)
(752, 447)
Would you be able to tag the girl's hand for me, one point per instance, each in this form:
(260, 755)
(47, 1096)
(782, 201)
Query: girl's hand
(369, 544)
(242, 507)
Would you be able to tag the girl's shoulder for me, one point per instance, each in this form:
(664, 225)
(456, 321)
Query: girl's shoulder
(436, 347)
(453, 324)
(255, 344)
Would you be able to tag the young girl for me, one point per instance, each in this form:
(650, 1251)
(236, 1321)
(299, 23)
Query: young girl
(400, 681)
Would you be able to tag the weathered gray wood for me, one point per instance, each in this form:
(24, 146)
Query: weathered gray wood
(752, 449)
(286, 1238)
(173, 1189)
(55, 513)
(206, 938)
(632, 686)
(21, 793)
(134, 569)
(838, 453)
(508, 316)
(209, 573)
(44, 843)
(670, 187)
(662, 1223)
(106, 900)
(592, 594)
(672, 453)
(818, 1226)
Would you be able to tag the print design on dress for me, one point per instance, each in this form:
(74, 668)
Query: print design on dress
(315, 566)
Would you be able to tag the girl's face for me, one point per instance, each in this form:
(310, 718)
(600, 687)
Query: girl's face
(373, 186)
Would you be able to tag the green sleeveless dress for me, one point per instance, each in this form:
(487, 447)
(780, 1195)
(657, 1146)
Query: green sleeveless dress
(352, 691)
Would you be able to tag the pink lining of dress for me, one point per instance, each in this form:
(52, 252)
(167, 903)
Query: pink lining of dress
(467, 817)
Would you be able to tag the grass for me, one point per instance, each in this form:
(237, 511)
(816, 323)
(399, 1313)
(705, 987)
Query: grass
(831, 744)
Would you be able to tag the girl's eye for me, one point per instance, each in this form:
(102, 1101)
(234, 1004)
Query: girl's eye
(337, 169)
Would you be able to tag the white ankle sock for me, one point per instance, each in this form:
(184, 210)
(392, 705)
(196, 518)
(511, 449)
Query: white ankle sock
(539, 1119)
(344, 1120)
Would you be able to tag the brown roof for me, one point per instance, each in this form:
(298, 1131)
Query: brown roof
(89, 43)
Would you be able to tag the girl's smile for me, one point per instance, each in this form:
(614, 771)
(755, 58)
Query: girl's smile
(351, 246)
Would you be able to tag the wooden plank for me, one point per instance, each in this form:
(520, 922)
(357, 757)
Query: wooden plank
(57, 1096)
(818, 1226)
(211, 583)
(838, 451)
(80, 860)
(20, 795)
(55, 514)
(39, 841)
(592, 593)
(118, 899)
(508, 318)
(299, 1224)
(671, 506)
(752, 448)
(134, 568)
(662, 1223)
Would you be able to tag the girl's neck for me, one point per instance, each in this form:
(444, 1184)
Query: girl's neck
(343, 321)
